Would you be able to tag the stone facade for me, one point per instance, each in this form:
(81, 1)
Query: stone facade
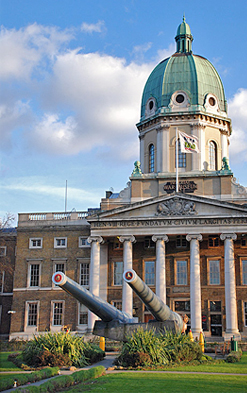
(7, 266)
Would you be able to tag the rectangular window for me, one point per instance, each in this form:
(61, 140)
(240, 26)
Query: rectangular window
(214, 272)
(2, 275)
(83, 315)
(149, 273)
(34, 275)
(3, 251)
(181, 275)
(181, 305)
(148, 243)
(118, 273)
(213, 241)
(245, 313)
(117, 245)
(84, 275)
(35, 242)
(244, 271)
(117, 304)
(59, 267)
(57, 319)
(60, 242)
(83, 242)
(215, 306)
(181, 241)
(32, 314)
(243, 240)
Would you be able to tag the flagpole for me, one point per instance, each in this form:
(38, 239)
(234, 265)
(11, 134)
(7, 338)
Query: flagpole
(176, 159)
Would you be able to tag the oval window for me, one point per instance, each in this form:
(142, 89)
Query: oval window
(180, 98)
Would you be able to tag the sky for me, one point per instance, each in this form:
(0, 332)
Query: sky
(72, 74)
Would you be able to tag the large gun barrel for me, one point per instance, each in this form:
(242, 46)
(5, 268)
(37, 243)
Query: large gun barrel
(102, 309)
(154, 304)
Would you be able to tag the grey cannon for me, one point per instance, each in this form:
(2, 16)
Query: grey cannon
(154, 304)
(110, 316)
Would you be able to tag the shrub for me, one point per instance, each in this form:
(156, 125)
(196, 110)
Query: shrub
(144, 348)
(234, 357)
(22, 379)
(140, 344)
(55, 349)
(93, 353)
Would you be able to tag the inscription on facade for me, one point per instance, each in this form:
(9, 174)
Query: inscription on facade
(170, 222)
(186, 186)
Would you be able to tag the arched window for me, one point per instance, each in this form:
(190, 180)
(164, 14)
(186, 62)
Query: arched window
(151, 158)
(212, 156)
(181, 157)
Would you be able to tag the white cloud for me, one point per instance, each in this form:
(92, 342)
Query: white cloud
(90, 28)
(22, 50)
(164, 53)
(238, 114)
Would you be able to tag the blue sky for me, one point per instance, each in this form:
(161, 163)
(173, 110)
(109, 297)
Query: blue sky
(72, 74)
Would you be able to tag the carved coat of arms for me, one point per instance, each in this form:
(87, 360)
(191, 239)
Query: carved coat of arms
(176, 207)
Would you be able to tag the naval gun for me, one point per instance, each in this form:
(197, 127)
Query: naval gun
(115, 324)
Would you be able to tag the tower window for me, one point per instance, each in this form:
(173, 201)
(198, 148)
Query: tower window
(181, 157)
(180, 98)
(212, 156)
(151, 158)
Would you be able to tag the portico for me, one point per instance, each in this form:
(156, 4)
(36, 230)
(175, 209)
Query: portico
(168, 220)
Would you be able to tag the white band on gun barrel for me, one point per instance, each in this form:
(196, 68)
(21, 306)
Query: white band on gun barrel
(59, 278)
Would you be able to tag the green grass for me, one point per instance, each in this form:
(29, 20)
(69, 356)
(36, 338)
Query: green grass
(161, 382)
(238, 368)
(5, 364)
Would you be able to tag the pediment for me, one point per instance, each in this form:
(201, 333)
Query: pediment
(177, 205)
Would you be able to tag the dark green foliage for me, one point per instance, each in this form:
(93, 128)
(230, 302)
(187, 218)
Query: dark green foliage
(64, 381)
(93, 353)
(22, 379)
(234, 357)
(144, 348)
(55, 349)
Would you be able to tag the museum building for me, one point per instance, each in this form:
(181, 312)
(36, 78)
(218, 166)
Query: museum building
(188, 244)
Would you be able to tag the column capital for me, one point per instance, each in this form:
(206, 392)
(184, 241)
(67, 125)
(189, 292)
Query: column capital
(230, 236)
(97, 239)
(194, 236)
(127, 238)
(155, 238)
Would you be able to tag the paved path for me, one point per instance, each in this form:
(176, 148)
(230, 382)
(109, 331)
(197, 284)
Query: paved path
(108, 362)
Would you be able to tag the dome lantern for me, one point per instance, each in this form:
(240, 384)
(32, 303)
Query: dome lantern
(184, 38)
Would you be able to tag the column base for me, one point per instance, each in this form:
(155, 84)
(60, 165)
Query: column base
(196, 333)
(229, 334)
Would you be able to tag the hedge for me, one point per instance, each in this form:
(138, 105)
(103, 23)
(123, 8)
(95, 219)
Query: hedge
(22, 379)
(64, 381)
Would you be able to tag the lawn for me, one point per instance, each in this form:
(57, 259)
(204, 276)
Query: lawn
(162, 382)
(5, 364)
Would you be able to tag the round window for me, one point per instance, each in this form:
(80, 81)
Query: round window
(180, 98)
(212, 101)
(151, 105)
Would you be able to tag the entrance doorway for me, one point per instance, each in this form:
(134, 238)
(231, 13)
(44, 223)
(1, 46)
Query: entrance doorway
(215, 318)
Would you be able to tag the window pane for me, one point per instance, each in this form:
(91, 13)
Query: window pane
(212, 156)
(83, 317)
(118, 305)
(181, 272)
(214, 272)
(57, 314)
(215, 306)
(245, 313)
(84, 274)
(182, 305)
(151, 158)
(149, 273)
(118, 273)
(34, 275)
(32, 314)
(244, 267)
(60, 267)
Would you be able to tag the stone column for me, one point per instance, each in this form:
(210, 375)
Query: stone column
(142, 153)
(94, 274)
(230, 285)
(163, 148)
(127, 295)
(195, 284)
(160, 282)
(224, 145)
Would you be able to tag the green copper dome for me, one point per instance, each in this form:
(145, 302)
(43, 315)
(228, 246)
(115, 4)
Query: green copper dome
(184, 73)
